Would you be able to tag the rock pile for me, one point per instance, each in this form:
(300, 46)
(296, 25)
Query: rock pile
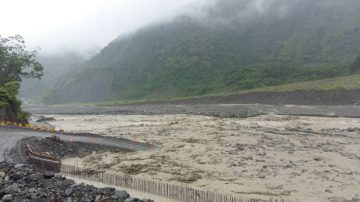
(24, 183)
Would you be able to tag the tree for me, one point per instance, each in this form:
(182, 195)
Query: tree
(355, 66)
(16, 62)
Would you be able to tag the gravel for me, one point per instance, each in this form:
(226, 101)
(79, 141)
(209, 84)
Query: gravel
(25, 183)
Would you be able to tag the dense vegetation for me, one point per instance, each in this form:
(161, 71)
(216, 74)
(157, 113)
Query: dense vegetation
(355, 66)
(16, 63)
(8, 100)
(229, 46)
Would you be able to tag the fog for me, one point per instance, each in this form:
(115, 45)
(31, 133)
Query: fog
(86, 26)
(80, 26)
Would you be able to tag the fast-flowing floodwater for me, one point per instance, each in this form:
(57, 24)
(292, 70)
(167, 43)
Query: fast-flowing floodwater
(309, 158)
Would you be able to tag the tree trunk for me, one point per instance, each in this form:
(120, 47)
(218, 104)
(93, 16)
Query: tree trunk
(7, 114)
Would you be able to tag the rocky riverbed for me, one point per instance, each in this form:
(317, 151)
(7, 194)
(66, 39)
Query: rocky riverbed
(24, 183)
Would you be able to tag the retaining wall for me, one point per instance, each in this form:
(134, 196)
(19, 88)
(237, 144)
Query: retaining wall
(42, 161)
(44, 164)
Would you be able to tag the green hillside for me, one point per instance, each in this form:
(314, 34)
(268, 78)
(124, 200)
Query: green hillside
(233, 45)
(339, 83)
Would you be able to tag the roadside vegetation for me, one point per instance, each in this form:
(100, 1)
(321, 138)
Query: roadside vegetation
(16, 63)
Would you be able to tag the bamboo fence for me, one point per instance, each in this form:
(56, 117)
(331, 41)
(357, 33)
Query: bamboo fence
(173, 191)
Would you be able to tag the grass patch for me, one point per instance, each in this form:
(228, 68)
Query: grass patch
(339, 83)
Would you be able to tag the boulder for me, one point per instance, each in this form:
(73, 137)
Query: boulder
(132, 200)
(12, 188)
(122, 194)
(48, 174)
(147, 200)
(7, 197)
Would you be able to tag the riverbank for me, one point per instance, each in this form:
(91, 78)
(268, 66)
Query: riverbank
(214, 110)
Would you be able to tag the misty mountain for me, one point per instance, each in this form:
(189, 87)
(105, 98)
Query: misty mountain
(55, 66)
(226, 45)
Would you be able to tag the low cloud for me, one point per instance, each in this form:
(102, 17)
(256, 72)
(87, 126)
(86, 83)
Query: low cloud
(81, 25)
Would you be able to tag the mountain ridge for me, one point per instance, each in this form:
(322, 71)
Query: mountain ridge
(273, 43)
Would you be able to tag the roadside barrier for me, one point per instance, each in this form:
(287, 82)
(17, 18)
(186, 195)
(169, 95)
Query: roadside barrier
(173, 191)
(7, 123)
(36, 127)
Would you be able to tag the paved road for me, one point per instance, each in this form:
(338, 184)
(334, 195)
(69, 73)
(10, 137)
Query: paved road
(9, 137)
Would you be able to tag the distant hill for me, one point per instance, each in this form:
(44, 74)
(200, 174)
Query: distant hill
(230, 45)
(55, 66)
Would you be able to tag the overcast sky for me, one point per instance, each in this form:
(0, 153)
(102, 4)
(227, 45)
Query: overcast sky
(79, 25)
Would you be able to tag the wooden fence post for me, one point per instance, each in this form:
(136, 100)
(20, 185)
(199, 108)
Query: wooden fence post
(174, 191)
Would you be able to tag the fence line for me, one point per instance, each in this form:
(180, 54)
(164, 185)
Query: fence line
(174, 191)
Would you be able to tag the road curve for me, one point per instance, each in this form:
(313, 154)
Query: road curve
(9, 137)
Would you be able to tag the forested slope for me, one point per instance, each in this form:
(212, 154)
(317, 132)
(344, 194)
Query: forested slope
(230, 45)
